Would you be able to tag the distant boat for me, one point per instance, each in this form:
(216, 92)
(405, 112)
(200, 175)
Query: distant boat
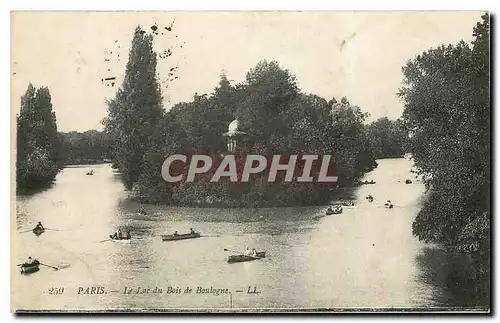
(172, 237)
(335, 210)
(90, 173)
(38, 231)
(368, 182)
(408, 181)
(242, 258)
(30, 268)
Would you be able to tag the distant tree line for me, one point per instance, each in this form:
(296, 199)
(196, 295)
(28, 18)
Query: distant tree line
(89, 147)
(388, 138)
(447, 112)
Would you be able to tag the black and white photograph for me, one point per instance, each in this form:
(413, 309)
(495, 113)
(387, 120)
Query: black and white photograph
(250, 162)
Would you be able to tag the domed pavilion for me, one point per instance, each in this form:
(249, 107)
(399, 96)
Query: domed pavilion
(234, 137)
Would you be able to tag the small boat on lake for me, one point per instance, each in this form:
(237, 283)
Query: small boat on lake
(90, 173)
(30, 268)
(175, 237)
(334, 210)
(123, 240)
(408, 181)
(369, 182)
(242, 258)
(38, 231)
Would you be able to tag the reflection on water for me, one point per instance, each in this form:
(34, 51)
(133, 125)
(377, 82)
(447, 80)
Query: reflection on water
(363, 258)
(451, 276)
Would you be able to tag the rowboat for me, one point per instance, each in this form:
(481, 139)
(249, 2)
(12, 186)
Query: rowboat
(120, 240)
(336, 210)
(241, 258)
(171, 237)
(38, 231)
(30, 268)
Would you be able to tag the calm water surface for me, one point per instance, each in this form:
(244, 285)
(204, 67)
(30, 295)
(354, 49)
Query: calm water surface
(363, 258)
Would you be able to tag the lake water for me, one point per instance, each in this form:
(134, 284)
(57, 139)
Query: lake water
(364, 258)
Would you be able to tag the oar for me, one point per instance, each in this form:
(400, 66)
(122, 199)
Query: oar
(63, 265)
(30, 230)
(58, 229)
(49, 266)
(104, 240)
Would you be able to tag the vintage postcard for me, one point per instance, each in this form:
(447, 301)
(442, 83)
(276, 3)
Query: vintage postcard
(250, 161)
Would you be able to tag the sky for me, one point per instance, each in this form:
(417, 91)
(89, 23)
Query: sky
(333, 54)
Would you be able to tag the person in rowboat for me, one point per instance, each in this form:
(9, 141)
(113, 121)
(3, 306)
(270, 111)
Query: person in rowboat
(191, 231)
(253, 253)
(30, 261)
(39, 226)
(128, 235)
(247, 252)
(120, 235)
(175, 233)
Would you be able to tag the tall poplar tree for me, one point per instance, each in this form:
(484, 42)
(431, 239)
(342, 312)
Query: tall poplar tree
(136, 109)
(38, 142)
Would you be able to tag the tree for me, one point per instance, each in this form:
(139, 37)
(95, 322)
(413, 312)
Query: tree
(387, 137)
(168, 139)
(277, 119)
(38, 143)
(447, 112)
(352, 154)
(136, 109)
(268, 92)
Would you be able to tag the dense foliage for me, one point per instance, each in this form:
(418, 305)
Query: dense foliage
(37, 160)
(89, 147)
(388, 138)
(447, 111)
(136, 109)
(279, 120)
